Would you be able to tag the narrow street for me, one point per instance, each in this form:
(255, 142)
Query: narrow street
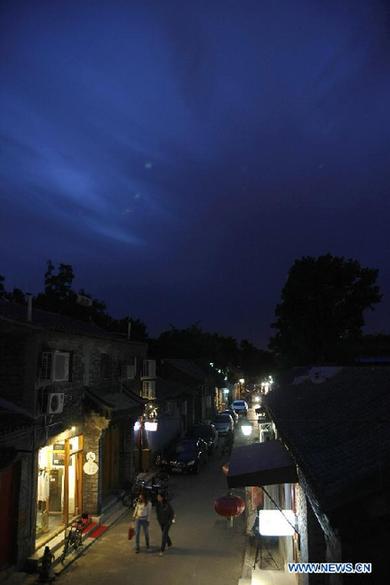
(205, 549)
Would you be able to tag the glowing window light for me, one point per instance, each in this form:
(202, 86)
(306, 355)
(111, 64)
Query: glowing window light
(276, 522)
(137, 425)
(150, 426)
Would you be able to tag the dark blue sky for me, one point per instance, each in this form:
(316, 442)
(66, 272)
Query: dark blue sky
(181, 155)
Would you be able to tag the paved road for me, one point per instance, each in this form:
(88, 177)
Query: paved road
(205, 549)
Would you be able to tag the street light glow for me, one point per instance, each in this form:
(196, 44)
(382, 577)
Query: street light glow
(150, 426)
(276, 522)
(246, 430)
(242, 380)
(137, 425)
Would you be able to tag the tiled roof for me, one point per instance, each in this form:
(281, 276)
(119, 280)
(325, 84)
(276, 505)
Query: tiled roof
(188, 367)
(338, 431)
(170, 389)
(55, 321)
(13, 417)
(116, 401)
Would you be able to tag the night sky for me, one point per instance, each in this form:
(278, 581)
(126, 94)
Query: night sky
(181, 155)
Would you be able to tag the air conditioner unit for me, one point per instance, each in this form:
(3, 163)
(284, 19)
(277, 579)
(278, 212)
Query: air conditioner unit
(55, 403)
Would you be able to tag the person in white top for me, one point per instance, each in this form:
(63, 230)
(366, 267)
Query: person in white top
(142, 512)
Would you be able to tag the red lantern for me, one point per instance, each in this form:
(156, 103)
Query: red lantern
(229, 506)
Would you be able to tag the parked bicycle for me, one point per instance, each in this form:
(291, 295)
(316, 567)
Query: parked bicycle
(73, 540)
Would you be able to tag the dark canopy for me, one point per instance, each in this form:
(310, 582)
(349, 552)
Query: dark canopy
(261, 464)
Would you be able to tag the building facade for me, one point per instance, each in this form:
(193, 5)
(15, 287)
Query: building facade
(77, 390)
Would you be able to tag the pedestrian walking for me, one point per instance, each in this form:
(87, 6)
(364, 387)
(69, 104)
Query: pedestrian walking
(142, 512)
(165, 517)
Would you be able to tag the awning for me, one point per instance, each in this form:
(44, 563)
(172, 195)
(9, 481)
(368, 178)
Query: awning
(261, 464)
(116, 403)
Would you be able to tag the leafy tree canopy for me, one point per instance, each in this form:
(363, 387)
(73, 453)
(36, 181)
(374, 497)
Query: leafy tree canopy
(322, 307)
(223, 351)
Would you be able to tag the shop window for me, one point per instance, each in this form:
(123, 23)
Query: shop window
(149, 389)
(45, 370)
(55, 366)
(59, 487)
(129, 369)
(149, 369)
(106, 366)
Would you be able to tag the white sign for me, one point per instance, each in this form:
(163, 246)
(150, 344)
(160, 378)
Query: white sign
(276, 522)
(150, 426)
(90, 467)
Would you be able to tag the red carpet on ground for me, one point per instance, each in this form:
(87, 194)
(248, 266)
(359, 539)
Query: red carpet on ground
(89, 527)
(99, 531)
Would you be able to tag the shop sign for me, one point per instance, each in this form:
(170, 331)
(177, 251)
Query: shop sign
(90, 467)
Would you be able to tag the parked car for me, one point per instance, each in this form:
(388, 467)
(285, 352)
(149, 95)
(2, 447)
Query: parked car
(224, 424)
(240, 407)
(207, 432)
(232, 413)
(187, 454)
(262, 415)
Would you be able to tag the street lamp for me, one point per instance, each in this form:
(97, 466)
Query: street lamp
(148, 422)
(241, 383)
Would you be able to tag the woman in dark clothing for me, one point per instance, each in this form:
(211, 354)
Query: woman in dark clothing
(165, 517)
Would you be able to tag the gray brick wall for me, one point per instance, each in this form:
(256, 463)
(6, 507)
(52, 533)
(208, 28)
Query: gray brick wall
(21, 347)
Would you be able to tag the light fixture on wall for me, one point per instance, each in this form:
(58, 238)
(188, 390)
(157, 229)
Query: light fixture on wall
(277, 522)
(151, 425)
(246, 430)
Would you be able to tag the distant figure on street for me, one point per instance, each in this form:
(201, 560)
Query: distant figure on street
(227, 444)
(165, 517)
(142, 512)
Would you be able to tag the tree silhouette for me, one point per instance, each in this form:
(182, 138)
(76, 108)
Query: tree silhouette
(322, 307)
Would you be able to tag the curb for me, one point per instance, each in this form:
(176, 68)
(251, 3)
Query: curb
(22, 578)
(89, 541)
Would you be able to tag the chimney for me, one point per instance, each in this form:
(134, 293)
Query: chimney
(29, 307)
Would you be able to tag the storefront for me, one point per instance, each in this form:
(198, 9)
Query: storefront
(59, 485)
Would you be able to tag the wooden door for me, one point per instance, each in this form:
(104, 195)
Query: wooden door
(55, 494)
(9, 491)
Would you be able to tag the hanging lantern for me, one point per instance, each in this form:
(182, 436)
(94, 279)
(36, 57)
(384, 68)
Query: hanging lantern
(229, 506)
